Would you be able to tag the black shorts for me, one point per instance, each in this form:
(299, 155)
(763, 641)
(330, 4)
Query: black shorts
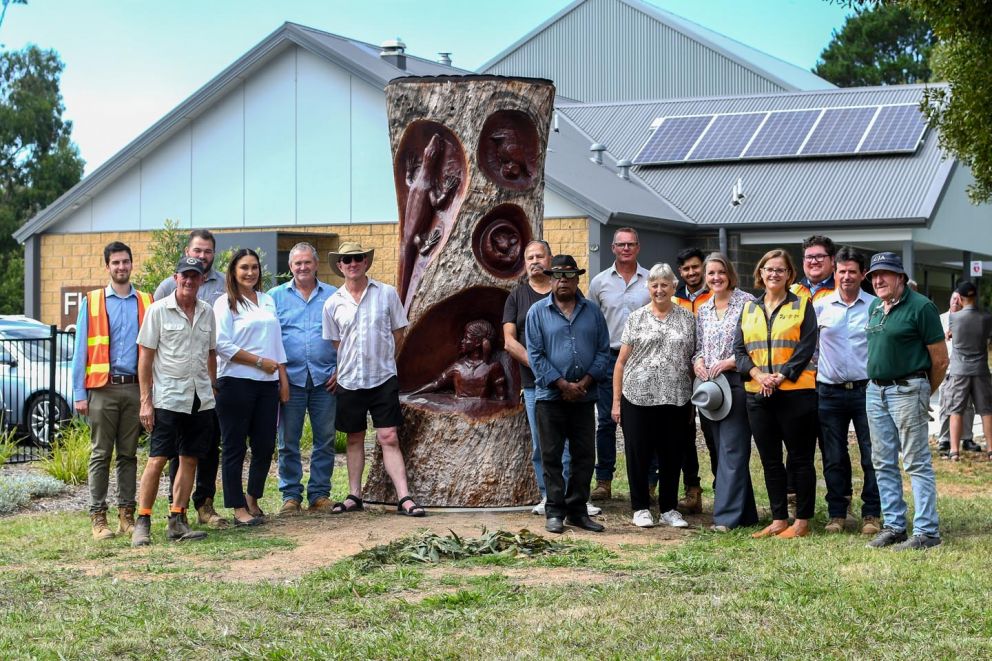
(383, 402)
(181, 434)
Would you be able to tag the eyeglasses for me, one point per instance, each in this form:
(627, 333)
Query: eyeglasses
(626, 246)
(773, 271)
(348, 259)
(568, 275)
(815, 259)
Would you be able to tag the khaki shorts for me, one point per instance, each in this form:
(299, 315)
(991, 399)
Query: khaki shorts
(962, 389)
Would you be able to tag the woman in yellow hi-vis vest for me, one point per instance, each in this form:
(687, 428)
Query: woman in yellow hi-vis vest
(775, 342)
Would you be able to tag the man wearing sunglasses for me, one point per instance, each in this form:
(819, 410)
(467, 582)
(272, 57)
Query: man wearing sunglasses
(366, 322)
(568, 346)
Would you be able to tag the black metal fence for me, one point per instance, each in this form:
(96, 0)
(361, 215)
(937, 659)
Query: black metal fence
(35, 384)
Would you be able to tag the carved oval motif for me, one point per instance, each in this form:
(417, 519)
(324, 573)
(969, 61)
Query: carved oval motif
(508, 149)
(499, 240)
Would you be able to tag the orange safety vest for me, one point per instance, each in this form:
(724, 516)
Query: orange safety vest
(692, 305)
(771, 348)
(802, 291)
(98, 335)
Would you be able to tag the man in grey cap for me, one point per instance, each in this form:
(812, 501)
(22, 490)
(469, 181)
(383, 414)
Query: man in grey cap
(968, 378)
(907, 359)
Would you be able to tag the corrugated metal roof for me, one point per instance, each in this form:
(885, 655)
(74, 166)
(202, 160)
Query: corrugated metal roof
(842, 191)
(610, 50)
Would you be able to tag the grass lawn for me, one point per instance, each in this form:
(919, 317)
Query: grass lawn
(708, 595)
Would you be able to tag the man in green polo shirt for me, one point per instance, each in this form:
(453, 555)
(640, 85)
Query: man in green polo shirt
(907, 359)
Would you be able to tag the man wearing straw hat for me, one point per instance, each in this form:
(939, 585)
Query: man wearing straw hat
(366, 322)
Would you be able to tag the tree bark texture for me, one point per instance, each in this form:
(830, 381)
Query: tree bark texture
(468, 161)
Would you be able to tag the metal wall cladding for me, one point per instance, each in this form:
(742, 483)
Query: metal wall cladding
(608, 50)
(849, 190)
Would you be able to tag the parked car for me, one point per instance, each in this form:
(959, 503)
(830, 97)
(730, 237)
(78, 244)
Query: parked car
(25, 359)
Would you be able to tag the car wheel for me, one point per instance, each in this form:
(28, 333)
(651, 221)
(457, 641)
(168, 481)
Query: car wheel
(38, 415)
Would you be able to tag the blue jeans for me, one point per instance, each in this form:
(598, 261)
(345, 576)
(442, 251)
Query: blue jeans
(530, 400)
(839, 407)
(321, 405)
(897, 416)
(606, 429)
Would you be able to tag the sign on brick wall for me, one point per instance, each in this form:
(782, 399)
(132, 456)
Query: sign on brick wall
(69, 300)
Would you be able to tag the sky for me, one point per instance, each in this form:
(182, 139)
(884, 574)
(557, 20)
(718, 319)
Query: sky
(129, 62)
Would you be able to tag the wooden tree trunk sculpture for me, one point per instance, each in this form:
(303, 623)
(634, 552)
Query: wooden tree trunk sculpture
(468, 160)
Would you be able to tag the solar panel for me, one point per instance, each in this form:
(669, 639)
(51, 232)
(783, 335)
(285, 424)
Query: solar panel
(672, 140)
(726, 137)
(782, 134)
(896, 129)
(839, 131)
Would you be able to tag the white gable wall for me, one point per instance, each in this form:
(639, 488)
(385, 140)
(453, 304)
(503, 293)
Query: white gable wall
(300, 142)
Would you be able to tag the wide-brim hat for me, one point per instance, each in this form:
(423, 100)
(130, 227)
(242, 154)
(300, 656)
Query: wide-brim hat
(351, 248)
(886, 261)
(712, 397)
(564, 264)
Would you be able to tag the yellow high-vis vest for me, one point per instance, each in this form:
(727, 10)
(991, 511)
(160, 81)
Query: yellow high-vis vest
(771, 348)
(98, 335)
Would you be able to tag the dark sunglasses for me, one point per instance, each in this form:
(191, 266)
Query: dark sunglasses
(569, 275)
(348, 259)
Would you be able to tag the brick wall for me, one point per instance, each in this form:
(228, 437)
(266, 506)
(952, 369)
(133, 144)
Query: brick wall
(77, 259)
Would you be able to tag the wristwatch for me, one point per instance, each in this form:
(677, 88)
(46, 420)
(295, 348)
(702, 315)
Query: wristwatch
(258, 363)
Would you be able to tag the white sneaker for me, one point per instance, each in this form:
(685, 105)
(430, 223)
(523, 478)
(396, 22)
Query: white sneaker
(592, 510)
(642, 519)
(674, 519)
(539, 508)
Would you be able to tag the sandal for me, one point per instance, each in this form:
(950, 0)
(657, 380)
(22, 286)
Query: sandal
(954, 456)
(343, 507)
(413, 510)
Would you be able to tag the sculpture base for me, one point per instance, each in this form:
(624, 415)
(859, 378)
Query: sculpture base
(456, 461)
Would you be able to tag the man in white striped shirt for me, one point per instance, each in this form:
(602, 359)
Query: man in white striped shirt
(366, 322)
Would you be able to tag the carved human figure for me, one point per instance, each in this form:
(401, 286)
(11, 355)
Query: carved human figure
(512, 154)
(431, 188)
(501, 245)
(474, 374)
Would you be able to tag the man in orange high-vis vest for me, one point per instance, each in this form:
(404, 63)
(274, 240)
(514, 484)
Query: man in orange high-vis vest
(105, 383)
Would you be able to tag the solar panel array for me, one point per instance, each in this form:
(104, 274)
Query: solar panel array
(849, 131)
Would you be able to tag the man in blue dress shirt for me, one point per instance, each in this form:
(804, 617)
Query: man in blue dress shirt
(568, 345)
(311, 367)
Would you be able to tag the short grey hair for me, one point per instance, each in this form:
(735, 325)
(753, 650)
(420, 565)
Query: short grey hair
(662, 271)
(303, 245)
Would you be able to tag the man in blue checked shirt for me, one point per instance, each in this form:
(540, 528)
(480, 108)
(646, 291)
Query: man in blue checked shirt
(311, 367)
(568, 345)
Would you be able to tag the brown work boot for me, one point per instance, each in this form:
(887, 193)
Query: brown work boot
(101, 530)
(208, 516)
(835, 525)
(692, 502)
(290, 507)
(178, 530)
(125, 520)
(321, 506)
(871, 525)
(603, 490)
(142, 535)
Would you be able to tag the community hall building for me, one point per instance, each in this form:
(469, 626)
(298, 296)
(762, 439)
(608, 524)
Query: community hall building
(660, 124)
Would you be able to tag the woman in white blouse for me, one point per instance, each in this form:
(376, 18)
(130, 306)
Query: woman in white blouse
(716, 324)
(251, 381)
(652, 383)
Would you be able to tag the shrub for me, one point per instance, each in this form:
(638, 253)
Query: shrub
(306, 438)
(17, 490)
(70, 456)
(8, 442)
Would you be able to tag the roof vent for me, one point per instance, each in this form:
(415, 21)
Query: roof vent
(737, 193)
(623, 168)
(444, 58)
(393, 51)
(597, 153)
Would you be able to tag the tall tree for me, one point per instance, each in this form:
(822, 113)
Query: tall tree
(38, 160)
(879, 45)
(961, 110)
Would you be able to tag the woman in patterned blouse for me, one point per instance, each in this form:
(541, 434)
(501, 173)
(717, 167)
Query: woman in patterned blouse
(716, 324)
(652, 383)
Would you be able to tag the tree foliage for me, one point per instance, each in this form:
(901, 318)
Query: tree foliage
(961, 110)
(38, 160)
(879, 45)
